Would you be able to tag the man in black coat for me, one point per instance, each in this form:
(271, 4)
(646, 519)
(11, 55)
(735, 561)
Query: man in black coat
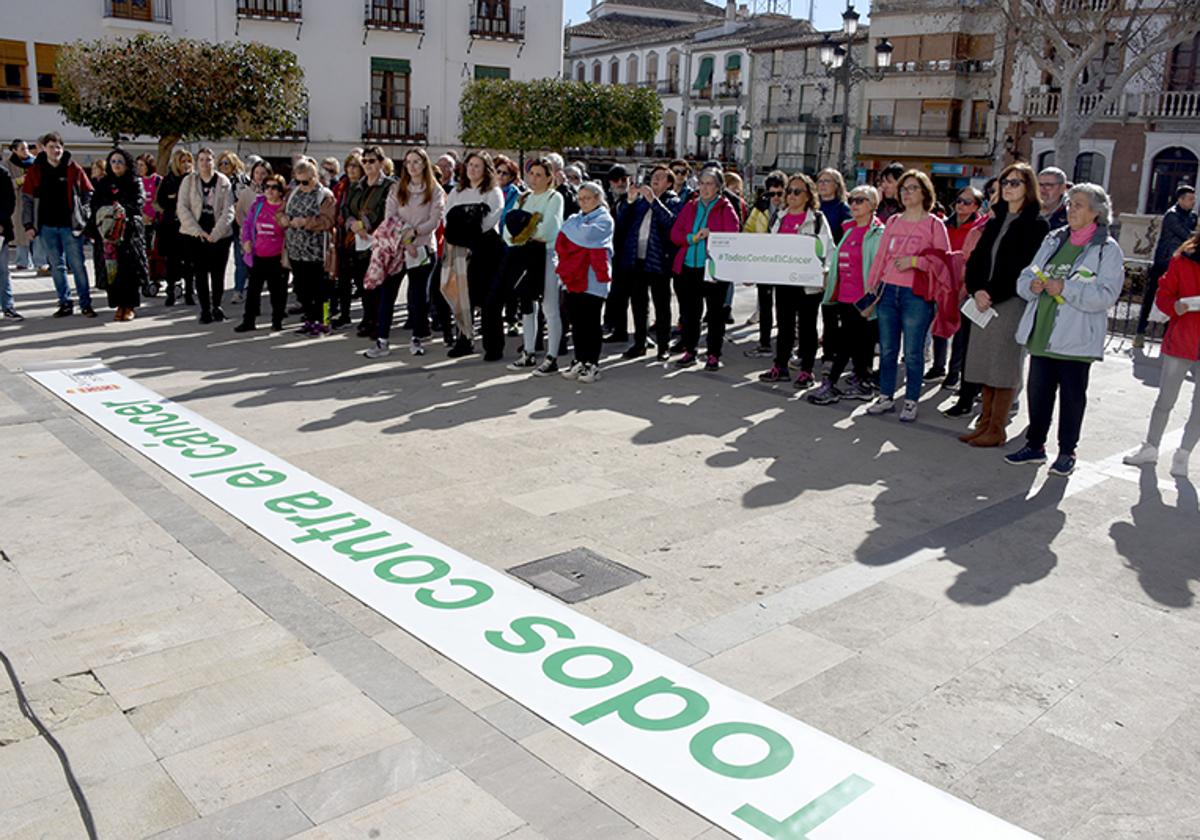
(1178, 223)
(8, 203)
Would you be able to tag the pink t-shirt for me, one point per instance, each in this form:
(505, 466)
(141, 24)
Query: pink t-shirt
(850, 264)
(791, 222)
(904, 239)
(268, 235)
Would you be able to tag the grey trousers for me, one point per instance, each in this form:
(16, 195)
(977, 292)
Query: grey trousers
(1174, 370)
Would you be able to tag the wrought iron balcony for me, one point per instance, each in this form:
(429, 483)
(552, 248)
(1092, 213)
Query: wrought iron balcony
(668, 86)
(395, 15)
(149, 11)
(490, 21)
(393, 126)
(285, 10)
(729, 90)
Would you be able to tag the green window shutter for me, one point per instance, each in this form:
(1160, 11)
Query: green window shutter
(729, 124)
(704, 77)
(485, 72)
(733, 62)
(390, 65)
(703, 124)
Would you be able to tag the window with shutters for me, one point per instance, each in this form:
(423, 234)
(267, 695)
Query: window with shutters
(907, 118)
(979, 115)
(482, 71)
(46, 56)
(631, 70)
(14, 86)
(1183, 68)
(881, 116)
(596, 71)
(390, 95)
(652, 69)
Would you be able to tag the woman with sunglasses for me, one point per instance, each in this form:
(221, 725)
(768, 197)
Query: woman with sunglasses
(845, 288)
(797, 304)
(967, 209)
(904, 315)
(710, 212)
(1006, 247)
(117, 203)
(366, 206)
(206, 215)
(308, 215)
(762, 217)
(262, 251)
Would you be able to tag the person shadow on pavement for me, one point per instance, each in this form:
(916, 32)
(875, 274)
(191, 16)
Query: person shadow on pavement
(1160, 543)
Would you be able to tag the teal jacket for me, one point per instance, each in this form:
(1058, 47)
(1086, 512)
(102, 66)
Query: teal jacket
(870, 247)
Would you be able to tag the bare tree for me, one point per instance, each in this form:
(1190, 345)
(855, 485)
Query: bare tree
(1092, 49)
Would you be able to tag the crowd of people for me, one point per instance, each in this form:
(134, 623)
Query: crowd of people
(1019, 275)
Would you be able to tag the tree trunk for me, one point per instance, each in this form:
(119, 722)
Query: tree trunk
(165, 145)
(1066, 144)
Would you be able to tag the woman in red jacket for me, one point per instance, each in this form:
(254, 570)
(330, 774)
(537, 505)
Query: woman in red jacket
(1179, 297)
(711, 212)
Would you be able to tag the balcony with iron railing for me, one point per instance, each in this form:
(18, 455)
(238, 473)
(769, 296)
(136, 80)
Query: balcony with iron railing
(297, 131)
(729, 91)
(505, 26)
(380, 126)
(285, 10)
(394, 15)
(138, 11)
(1156, 105)
(668, 86)
(944, 65)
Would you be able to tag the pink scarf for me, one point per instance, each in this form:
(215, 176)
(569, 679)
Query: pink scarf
(1084, 235)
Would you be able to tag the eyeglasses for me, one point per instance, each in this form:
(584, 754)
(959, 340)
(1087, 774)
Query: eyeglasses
(504, 173)
(910, 188)
(1012, 182)
(330, 172)
(1049, 185)
(116, 162)
(964, 201)
(775, 193)
(303, 183)
(370, 160)
(797, 191)
(826, 181)
(682, 173)
(858, 199)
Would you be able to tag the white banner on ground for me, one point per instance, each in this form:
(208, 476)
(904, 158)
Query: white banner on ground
(776, 259)
(738, 762)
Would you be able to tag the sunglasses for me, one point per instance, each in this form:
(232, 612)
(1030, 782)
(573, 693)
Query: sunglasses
(1012, 182)
(797, 191)
(303, 183)
(504, 173)
(370, 160)
(775, 193)
(682, 173)
(858, 199)
(964, 201)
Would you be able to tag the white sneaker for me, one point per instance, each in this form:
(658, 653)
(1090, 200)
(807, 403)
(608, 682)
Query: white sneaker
(1147, 454)
(573, 371)
(1179, 463)
(909, 412)
(524, 362)
(548, 366)
(416, 348)
(589, 373)
(380, 349)
(882, 405)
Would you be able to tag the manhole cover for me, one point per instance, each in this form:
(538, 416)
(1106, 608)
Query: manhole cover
(576, 575)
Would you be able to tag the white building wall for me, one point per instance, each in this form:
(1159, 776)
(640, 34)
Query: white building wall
(329, 46)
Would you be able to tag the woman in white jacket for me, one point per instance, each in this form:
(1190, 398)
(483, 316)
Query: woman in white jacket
(205, 210)
(473, 245)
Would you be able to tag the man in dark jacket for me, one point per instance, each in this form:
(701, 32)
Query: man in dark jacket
(616, 321)
(642, 240)
(1052, 189)
(54, 202)
(8, 203)
(1178, 223)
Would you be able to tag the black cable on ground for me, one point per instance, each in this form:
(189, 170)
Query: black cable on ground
(85, 812)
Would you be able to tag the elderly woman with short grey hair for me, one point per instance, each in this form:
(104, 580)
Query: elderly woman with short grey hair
(1076, 276)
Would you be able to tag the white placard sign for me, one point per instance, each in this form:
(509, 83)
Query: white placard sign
(747, 767)
(776, 259)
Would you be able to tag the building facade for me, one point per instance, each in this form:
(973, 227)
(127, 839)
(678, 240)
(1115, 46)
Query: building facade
(377, 71)
(941, 106)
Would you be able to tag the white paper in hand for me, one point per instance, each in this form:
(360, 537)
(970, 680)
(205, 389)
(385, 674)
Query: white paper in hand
(980, 317)
(1192, 304)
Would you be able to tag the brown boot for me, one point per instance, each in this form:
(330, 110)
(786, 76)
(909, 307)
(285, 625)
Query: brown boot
(995, 435)
(985, 416)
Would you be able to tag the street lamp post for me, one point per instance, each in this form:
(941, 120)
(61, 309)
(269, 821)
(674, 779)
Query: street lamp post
(714, 140)
(841, 65)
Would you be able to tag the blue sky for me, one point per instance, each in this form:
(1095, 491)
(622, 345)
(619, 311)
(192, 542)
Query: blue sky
(828, 12)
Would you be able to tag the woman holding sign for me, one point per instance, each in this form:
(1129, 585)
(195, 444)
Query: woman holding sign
(797, 303)
(1007, 245)
(904, 314)
(711, 212)
(1178, 296)
(1077, 275)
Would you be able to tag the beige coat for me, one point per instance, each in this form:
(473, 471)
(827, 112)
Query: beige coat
(191, 205)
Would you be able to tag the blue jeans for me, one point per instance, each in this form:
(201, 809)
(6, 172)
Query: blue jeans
(902, 314)
(24, 258)
(63, 248)
(6, 296)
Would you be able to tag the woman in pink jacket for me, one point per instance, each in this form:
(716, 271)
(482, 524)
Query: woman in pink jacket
(710, 212)
(262, 252)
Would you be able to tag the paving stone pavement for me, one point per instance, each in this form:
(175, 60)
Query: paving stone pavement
(1031, 645)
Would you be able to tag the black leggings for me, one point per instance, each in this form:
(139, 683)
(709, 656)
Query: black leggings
(766, 314)
(694, 292)
(854, 341)
(210, 259)
(266, 271)
(795, 304)
(418, 300)
(1068, 379)
(585, 312)
(308, 279)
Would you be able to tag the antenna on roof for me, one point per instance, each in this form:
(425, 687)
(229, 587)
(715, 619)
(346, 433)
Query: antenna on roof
(777, 7)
